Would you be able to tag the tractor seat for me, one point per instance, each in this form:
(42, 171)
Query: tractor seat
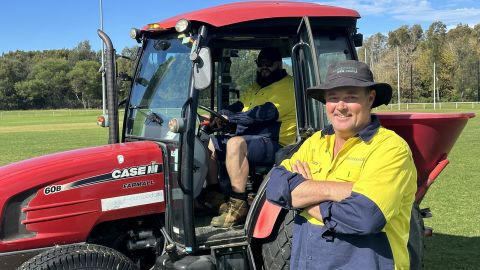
(255, 178)
(280, 155)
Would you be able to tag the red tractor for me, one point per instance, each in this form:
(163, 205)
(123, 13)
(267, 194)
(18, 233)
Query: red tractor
(130, 204)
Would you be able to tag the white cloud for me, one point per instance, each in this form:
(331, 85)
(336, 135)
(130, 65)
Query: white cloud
(411, 11)
(364, 7)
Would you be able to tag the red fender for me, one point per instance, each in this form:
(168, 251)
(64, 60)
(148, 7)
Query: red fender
(266, 220)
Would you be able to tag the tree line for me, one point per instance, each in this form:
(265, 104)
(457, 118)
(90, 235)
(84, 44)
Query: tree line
(70, 78)
(413, 52)
(50, 79)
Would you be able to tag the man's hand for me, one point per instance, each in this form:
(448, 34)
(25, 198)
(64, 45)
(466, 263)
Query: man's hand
(303, 169)
(205, 117)
(314, 211)
(219, 123)
(205, 120)
(214, 122)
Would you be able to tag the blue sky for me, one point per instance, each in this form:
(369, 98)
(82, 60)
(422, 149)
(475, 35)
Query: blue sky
(55, 24)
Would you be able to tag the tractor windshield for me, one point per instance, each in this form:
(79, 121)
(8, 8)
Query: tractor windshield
(160, 88)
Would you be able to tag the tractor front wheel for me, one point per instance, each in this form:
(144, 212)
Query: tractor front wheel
(79, 257)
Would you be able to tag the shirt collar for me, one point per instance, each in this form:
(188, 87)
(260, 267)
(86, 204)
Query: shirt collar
(366, 134)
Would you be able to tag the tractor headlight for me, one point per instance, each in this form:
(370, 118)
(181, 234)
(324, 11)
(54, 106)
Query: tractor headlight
(135, 33)
(182, 25)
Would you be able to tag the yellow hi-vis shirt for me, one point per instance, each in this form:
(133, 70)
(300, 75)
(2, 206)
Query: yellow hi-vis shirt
(281, 94)
(381, 168)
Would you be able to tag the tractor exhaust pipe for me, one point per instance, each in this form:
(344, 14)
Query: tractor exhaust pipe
(112, 102)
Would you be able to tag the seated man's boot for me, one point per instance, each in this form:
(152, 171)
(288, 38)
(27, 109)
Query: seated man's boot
(235, 213)
(223, 207)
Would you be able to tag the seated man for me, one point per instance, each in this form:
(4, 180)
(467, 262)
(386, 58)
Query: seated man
(263, 121)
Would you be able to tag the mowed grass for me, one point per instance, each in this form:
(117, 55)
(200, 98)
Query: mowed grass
(27, 134)
(453, 198)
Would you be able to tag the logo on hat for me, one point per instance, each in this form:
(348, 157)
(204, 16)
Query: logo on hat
(351, 73)
(346, 69)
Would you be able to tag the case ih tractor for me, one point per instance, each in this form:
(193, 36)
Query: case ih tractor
(130, 204)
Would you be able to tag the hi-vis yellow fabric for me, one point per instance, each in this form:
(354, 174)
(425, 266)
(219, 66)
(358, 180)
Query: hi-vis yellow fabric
(281, 94)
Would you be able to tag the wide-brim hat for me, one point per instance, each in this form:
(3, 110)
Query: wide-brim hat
(351, 73)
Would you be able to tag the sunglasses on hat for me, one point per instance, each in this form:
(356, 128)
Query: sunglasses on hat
(264, 62)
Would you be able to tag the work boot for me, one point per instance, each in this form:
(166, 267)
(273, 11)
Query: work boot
(235, 213)
(223, 207)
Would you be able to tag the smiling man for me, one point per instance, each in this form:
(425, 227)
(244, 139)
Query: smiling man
(353, 183)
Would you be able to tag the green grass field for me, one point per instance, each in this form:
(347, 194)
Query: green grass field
(453, 197)
(26, 134)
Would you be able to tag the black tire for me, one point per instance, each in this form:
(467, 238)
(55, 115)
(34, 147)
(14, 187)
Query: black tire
(277, 248)
(416, 243)
(79, 257)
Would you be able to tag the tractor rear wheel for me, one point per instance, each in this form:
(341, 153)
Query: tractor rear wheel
(79, 257)
(276, 250)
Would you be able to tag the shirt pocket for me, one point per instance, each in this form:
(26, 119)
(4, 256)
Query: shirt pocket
(350, 174)
(315, 168)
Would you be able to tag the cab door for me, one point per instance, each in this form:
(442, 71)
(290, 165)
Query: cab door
(304, 60)
(320, 43)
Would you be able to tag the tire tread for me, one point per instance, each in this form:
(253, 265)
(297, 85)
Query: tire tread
(79, 256)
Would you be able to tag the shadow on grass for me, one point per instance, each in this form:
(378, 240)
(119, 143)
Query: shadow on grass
(444, 251)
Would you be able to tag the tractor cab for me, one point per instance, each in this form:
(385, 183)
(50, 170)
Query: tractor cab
(196, 64)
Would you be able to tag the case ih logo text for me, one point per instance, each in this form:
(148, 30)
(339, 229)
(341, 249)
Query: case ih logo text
(152, 168)
(136, 171)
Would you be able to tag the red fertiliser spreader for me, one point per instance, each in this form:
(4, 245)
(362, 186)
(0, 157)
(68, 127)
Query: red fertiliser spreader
(431, 136)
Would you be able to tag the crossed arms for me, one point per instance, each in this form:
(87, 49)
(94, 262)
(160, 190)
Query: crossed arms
(308, 194)
(333, 203)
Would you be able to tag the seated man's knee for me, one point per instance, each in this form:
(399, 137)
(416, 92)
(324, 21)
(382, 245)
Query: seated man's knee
(236, 144)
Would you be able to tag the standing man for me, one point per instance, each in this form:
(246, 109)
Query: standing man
(263, 121)
(353, 183)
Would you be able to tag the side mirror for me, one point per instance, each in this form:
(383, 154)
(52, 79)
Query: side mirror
(124, 77)
(358, 40)
(202, 69)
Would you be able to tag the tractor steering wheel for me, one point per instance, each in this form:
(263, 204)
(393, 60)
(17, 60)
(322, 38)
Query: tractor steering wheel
(213, 128)
(214, 113)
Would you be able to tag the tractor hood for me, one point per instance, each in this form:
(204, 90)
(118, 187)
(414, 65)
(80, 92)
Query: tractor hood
(80, 188)
(81, 167)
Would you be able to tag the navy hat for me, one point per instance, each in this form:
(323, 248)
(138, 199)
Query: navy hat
(350, 73)
(270, 53)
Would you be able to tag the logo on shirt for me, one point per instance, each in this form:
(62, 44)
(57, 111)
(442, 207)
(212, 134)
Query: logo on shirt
(355, 159)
